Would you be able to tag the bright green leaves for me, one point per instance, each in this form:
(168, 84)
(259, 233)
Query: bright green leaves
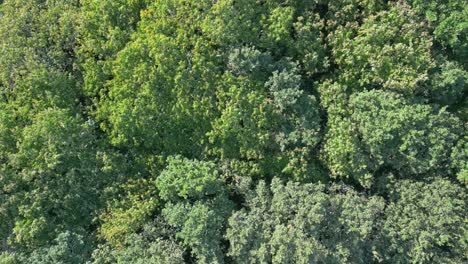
(105, 28)
(197, 205)
(183, 179)
(160, 98)
(279, 24)
(145, 124)
(342, 154)
(304, 223)
(49, 172)
(169, 95)
(126, 216)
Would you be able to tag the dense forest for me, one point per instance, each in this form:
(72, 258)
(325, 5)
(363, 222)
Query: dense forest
(233, 131)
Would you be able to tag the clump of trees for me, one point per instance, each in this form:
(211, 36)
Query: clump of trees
(185, 131)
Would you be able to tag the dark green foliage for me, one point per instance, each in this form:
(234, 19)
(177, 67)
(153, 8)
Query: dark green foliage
(291, 223)
(37, 68)
(449, 22)
(448, 86)
(57, 179)
(426, 222)
(259, 90)
(184, 179)
(290, 30)
(385, 131)
(305, 224)
(460, 159)
(67, 248)
(196, 206)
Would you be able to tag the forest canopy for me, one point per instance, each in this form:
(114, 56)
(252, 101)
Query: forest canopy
(233, 131)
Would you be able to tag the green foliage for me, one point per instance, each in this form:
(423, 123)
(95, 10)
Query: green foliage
(449, 84)
(105, 28)
(259, 90)
(67, 248)
(197, 205)
(57, 178)
(391, 50)
(348, 12)
(448, 20)
(38, 42)
(292, 223)
(460, 159)
(8, 209)
(290, 30)
(7, 258)
(161, 98)
(386, 132)
(7, 132)
(184, 179)
(126, 216)
(135, 131)
(307, 223)
(155, 244)
(425, 222)
(200, 226)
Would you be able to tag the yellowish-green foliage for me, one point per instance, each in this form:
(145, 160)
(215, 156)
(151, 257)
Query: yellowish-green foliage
(127, 216)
